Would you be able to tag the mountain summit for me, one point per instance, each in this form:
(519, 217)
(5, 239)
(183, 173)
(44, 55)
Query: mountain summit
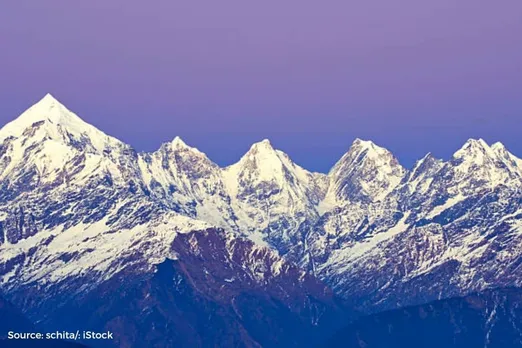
(80, 210)
(366, 173)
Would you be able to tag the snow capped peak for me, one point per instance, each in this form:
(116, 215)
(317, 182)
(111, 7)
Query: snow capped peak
(367, 172)
(177, 145)
(47, 109)
(477, 162)
(261, 157)
(50, 119)
(502, 152)
(421, 175)
(367, 148)
(264, 145)
(473, 145)
(498, 147)
(177, 142)
(49, 99)
(427, 160)
(363, 143)
(476, 143)
(264, 168)
(480, 152)
(476, 150)
(363, 151)
(511, 161)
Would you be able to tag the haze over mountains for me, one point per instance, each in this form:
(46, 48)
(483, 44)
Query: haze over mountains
(84, 217)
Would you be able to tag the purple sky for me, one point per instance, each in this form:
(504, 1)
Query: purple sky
(411, 75)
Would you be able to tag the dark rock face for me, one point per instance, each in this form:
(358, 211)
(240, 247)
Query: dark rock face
(222, 291)
(491, 319)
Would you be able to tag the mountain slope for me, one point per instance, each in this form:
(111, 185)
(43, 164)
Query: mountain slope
(366, 173)
(73, 223)
(447, 229)
(272, 196)
(215, 289)
(76, 204)
(490, 319)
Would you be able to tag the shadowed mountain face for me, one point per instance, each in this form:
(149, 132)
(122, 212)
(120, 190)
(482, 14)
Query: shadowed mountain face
(12, 319)
(219, 291)
(492, 319)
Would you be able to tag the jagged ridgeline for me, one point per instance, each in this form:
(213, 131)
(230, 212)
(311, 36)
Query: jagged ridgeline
(81, 211)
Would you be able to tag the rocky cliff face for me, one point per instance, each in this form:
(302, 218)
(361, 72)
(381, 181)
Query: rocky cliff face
(213, 289)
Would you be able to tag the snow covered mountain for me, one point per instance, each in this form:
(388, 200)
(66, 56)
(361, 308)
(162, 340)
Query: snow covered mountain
(79, 210)
(272, 196)
(367, 173)
(77, 204)
(447, 228)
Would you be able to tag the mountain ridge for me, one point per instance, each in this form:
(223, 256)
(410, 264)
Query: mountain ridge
(50, 99)
(379, 235)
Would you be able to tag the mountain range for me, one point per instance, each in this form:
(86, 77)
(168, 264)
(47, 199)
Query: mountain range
(270, 246)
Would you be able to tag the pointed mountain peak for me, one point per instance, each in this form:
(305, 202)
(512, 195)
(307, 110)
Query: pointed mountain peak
(427, 164)
(178, 145)
(504, 155)
(50, 108)
(48, 99)
(263, 156)
(57, 122)
(498, 147)
(363, 143)
(47, 109)
(361, 149)
(177, 142)
(481, 143)
(263, 149)
(367, 172)
(474, 148)
(429, 158)
(264, 144)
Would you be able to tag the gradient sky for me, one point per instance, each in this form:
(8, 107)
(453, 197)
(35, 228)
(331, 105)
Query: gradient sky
(412, 75)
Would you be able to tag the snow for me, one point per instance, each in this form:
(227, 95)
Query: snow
(263, 189)
(441, 208)
(327, 204)
(57, 118)
(373, 168)
(179, 145)
(351, 253)
(98, 247)
(263, 159)
(258, 238)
